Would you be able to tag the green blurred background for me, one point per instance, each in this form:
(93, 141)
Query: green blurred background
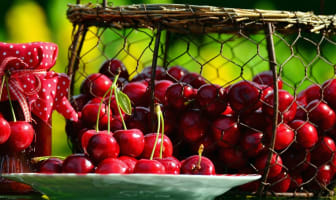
(45, 20)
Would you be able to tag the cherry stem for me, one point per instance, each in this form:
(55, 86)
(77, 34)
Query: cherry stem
(162, 132)
(2, 85)
(10, 100)
(157, 110)
(119, 110)
(42, 158)
(108, 112)
(116, 90)
(100, 106)
(200, 152)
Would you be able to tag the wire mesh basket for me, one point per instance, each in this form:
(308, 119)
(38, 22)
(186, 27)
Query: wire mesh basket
(273, 77)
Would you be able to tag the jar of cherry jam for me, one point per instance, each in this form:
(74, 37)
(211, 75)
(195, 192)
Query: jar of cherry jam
(26, 80)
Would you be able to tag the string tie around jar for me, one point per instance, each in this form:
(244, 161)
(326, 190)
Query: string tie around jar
(16, 87)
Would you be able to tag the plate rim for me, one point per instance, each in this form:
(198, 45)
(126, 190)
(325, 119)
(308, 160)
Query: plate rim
(218, 176)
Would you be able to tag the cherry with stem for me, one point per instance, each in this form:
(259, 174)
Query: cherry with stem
(131, 141)
(22, 132)
(150, 165)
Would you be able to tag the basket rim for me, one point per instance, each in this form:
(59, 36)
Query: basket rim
(183, 18)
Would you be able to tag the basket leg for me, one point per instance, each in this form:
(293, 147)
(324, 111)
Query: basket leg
(273, 67)
(152, 83)
(75, 50)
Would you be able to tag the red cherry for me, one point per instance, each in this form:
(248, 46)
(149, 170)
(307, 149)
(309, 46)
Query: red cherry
(159, 72)
(232, 158)
(112, 67)
(5, 130)
(96, 85)
(265, 90)
(171, 164)
(115, 123)
(209, 145)
(111, 165)
(281, 182)
(286, 106)
(228, 111)
(178, 94)
(311, 93)
(130, 162)
(102, 146)
(77, 163)
(321, 177)
(160, 90)
(321, 115)
(147, 74)
(137, 92)
(225, 131)
(301, 113)
(73, 129)
(175, 73)
(22, 135)
(90, 113)
(275, 164)
(323, 151)
(86, 136)
(296, 158)
(194, 79)
(114, 106)
(296, 182)
(149, 144)
(324, 175)
(284, 136)
(192, 126)
(131, 142)
(212, 98)
(79, 101)
(266, 78)
(244, 96)
(96, 100)
(170, 120)
(328, 90)
(191, 165)
(139, 119)
(254, 120)
(149, 166)
(51, 165)
(251, 143)
(306, 133)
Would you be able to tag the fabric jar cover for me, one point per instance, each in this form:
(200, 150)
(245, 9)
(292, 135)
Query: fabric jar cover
(39, 91)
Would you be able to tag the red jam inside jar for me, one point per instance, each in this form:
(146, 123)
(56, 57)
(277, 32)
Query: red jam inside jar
(21, 162)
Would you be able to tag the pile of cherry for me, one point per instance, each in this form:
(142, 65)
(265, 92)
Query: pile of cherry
(233, 124)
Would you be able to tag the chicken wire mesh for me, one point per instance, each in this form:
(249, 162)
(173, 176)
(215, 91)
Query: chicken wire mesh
(281, 129)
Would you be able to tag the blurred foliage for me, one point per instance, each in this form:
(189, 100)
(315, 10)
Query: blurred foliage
(41, 20)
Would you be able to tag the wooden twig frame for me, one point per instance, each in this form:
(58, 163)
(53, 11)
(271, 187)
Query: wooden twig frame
(198, 19)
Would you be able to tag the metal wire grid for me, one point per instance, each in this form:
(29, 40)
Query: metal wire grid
(301, 59)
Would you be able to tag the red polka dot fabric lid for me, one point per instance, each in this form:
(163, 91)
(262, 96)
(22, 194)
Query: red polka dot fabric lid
(40, 91)
(38, 55)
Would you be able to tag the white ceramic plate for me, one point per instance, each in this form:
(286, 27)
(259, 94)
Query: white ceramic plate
(131, 186)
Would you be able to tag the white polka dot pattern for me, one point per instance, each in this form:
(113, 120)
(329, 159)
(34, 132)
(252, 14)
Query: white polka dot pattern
(44, 91)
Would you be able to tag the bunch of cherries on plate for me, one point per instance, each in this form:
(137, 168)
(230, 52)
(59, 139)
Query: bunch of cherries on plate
(110, 147)
(233, 123)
